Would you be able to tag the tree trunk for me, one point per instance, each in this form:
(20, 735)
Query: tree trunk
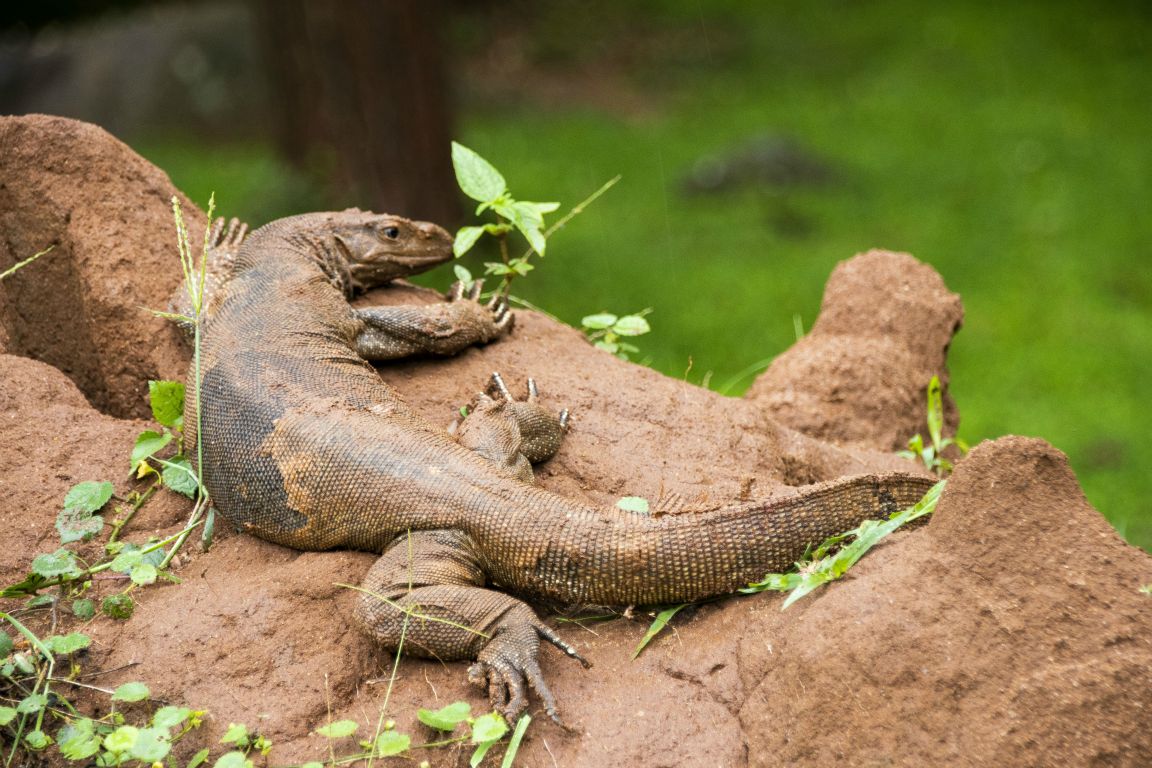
(360, 94)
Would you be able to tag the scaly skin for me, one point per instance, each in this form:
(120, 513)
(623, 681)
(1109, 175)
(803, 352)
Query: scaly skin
(305, 446)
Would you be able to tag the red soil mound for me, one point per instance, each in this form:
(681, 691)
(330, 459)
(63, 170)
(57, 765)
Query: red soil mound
(1007, 631)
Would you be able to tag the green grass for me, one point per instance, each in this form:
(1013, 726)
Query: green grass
(1005, 144)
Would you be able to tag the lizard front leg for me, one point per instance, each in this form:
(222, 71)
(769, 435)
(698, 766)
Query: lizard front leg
(426, 596)
(390, 333)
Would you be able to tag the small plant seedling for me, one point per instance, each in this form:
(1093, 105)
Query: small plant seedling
(607, 331)
(479, 180)
(1147, 589)
(832, 559)
(658, 624)
(931, 454)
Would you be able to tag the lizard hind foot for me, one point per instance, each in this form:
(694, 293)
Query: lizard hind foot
(507, 667)
(541, 431)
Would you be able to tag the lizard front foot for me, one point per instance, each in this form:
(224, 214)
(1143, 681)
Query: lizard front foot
(492, 319)
(507, 665)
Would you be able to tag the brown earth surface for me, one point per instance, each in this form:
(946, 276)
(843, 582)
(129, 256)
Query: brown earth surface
(1007, 631)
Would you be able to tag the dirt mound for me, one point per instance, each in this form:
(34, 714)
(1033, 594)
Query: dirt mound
(1007, 630)
(859, 376)
(108, 213)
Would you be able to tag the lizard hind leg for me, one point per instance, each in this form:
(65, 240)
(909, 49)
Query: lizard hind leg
(425, 596)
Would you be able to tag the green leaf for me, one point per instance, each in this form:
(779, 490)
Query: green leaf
(445, 718)
(78, 525)
(152, 745)
(143, 574)
(480, 751)
(180, 477)
(7, 715)
(167, 398)
(121, 739)
(935, 410)
(6, 644)
(476, 176)
(118, 606)
(391, 743)
(40, 601)
(37, 739)
(599, 322)
(88, 496)
(131, 692)
(83, 609)
(233, 760)
(497, 268)
(633, 504)
(198, 758)
(607, 346)
(514, 744)
(78, 740)
(70, 643)
(466, 237)
(312, 765)
(237, 734)
(147, 444)
(59, 563)
(170, 716)
(489, 727)
(32, 703)
(338, 729)
(657, 625)
(521, 266)
(129, 557)
(631, 325)
(463, 275)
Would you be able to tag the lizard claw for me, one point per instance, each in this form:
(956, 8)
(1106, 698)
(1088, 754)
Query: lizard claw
(507, 666)
(499, 314)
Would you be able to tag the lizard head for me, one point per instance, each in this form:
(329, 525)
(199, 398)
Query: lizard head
(376, 248)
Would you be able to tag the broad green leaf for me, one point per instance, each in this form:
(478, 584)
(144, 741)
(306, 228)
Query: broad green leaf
(78, 525)
(121, 739)
(33, 702)
(143, 574)
(83, 609)
(607, 346)
(198, 759)
(338, 729)
(6, 644)
(633, 504)
(489, 727)
(476, 176)
(233, 760)
(133, 691)
(466, 237)
(463, 275)
(7, 715)
(78, 740)
(70, 643)
(129, 557)
(497, 268)
(445, 718)
(88, 496)
(59, 563)
(391, 743)
(631, 325)
(599, 322)
(152, 745)
(167, 398)
(117, 606)
(535, 238)
(237, 734)
(180, 477)
(514, 743)
(37, 739)
(147, 444)
(169, 716)
(657, 625)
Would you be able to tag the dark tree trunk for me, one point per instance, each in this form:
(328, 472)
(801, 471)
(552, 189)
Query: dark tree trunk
(361, 95)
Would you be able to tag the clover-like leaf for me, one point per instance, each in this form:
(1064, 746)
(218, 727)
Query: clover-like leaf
(446, 718)
(167, 400)
(338, 729)
(391, 743)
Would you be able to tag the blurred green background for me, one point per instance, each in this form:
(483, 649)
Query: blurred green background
(1007, 144)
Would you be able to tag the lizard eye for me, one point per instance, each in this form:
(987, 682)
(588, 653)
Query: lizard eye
(391, 232)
